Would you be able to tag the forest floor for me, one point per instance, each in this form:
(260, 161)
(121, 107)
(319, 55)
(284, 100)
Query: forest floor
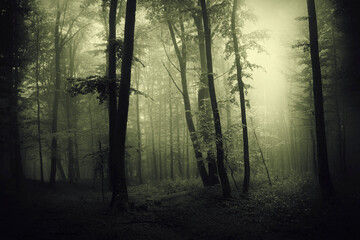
(290, 209)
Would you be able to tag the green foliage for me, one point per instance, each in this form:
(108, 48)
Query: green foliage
(247, 42)
(304, 45)
(92, 84)
(95, 85)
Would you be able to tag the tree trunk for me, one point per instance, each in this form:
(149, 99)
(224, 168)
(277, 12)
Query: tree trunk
(312, 137)
(188, 114)
(159, 141)
(204, 104)
(71, 165)
(60, 169)
(54, 152)
(76, 146)
(217, 124)
(178, 140)
(139, 173)
(339, 106)
(112, 90)
(187, 156)
(70, 117)
(171, 135)
(165, 173)
(15, 135)
(37, 76)
(119, 200)
(154, 163)
(242, 100)
(326, 186)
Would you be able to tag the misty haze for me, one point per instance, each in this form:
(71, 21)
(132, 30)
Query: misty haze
(179, 119)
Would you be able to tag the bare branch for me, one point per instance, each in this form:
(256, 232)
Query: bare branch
(63, 40)
(63, 21)
(172, 79)
(167, 55)
(75, 34)
(222, 74)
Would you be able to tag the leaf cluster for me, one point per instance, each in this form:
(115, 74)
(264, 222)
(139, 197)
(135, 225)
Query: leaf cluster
(95, 84)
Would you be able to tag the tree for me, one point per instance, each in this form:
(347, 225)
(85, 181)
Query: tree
(217, 124)
(57, 47)
(181, 55)
(60, 41)
(203, 102)
(73, 168)
(119, 200)
(37, 76)
(12, 58)
(242, 99)
(139, 149)
(327, 188)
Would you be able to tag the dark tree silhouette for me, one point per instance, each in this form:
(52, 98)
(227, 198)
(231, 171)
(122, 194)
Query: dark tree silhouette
(204, 103)
(242, 99)
(119, 200)
(327, 188)
(219, 141)
(181, 55)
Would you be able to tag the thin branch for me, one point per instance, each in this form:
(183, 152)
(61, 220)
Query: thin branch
(167, 55)
(262, 155)
(75, 34)
(231, 172)
(177, 32)
(222, 74)
(172, 78)
(63, 40)
(215, 30)
(173, 39)
(63, 21)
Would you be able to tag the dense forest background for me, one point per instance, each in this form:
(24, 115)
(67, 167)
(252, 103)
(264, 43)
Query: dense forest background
(132, 105)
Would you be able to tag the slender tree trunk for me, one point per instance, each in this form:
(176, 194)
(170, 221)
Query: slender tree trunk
(187, 156)
(217, 124)
(188, 114)
(61, 169)
(171, 135)
(159, 142)
(327, 188)
(154, 163)
(242, 99)
(139, 170)
(15, 135)
(112, 91)
(37, 76)
(70, 118)
(91, 125)
(119, 200)
(178, 140)
(204, 104)
(54, 151)
(165, 173)
(76, 146)
(338, 100)
(71, 165)
(312, 137)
